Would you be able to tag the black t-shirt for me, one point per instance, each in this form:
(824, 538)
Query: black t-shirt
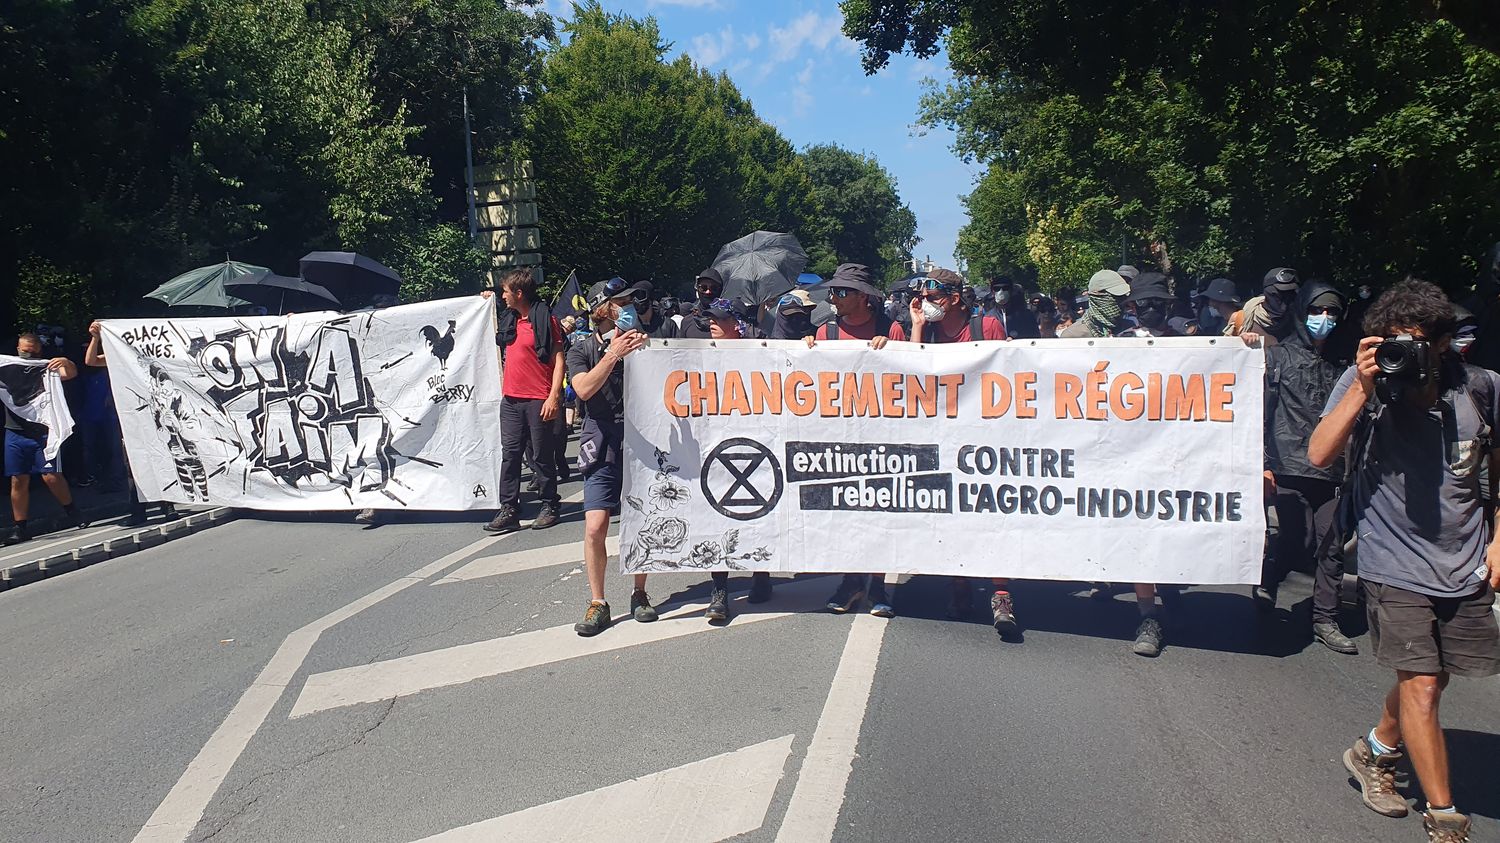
(608, 404)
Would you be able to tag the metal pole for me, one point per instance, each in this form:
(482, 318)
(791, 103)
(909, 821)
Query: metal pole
(469, 167)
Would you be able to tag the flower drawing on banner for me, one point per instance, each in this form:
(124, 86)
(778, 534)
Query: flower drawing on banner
(657, 544)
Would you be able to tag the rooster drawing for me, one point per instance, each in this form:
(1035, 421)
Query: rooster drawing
(441, 345)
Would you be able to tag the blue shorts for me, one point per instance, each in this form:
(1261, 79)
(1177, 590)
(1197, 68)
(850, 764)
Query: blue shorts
(25, 456)
(601, 487)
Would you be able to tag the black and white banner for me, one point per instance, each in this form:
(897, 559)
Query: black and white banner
(35, 395)
(392, 409)
(1118, 460)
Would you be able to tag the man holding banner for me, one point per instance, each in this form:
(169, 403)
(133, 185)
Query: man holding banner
(36, 423)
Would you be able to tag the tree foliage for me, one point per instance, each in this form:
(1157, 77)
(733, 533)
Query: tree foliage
(1352, 141)
(646, 167)
(858, 217)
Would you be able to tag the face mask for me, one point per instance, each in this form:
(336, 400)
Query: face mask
(26, 355)
(1461, 344)
(1321, 325)
(1152, 317)
(893, 309)
(1210, 320)
(933, 312)
(627, 319)
(1002, 297)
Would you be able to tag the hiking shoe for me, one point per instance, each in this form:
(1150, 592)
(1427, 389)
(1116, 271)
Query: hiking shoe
(1148, 638)
(1334, 639)
(595, 620)
(847, 595)
(641, 608)
(961, 601)
(760, 587)
(1446, 828)
(17, 534)
(505, 521)
(546, 518)
(1003, 609)
(881, 608)
(1263, 598)
(1376, 777)
(718, 606)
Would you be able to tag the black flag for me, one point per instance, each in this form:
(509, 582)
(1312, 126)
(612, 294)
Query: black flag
(570, 300)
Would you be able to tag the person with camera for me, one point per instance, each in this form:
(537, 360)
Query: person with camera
(597, 372)
(1300, 375)
(1417, 422)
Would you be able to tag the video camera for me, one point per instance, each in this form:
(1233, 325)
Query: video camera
(1406, 365)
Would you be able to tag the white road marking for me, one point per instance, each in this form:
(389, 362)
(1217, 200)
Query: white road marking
(467, 662)
(702, 802)
(525, 560)
(28, 549)
(813, 813)
(182, 809)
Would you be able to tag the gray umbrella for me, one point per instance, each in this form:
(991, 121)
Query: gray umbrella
(204, 286)
(281, 293)
(759, 267)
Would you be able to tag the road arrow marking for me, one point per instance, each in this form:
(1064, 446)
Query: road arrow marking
(467, 662)
(702, 802)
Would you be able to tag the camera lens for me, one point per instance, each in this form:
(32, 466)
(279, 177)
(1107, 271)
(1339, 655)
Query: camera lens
(1395, 357)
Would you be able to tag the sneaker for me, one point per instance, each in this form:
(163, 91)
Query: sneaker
(1446, 828)
(1148, 638)
(18, 533)
(1263, 598)
(367, 517)
(1003, 609)
(1334, 639)
(847, 595)
(718, 606)
(1376, 777)
(546, 518)
(596, 619)
(760, 587)
(880, 601)
(505, 521)
(961, 601)
(641, 608)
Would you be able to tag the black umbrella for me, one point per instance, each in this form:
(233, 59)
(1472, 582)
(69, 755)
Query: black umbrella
(282, 293)
(353, 278)
(759, 267)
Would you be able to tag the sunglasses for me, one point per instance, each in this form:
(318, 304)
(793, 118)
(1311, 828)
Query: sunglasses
(934, 284)
(940, 297)
(842, 292)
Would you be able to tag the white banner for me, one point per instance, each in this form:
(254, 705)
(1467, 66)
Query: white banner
(35, 395)
(1106, 460)
(392, 409)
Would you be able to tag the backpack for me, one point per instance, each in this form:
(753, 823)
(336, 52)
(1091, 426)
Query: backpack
(882, 325)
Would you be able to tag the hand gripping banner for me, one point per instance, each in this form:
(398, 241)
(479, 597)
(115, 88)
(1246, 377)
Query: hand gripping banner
(391, 409)
(1123, 460)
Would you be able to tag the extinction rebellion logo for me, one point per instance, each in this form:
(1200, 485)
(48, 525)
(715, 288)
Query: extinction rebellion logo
(741, 479)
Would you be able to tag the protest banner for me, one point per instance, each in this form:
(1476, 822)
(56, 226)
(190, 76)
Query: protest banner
(34, 396)
(389, 409)
(1124, 460)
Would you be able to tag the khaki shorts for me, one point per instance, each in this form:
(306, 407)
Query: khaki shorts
(1422, 634)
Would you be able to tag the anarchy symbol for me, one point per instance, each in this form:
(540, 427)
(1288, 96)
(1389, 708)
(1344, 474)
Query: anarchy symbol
(479, 491)
(741, 479)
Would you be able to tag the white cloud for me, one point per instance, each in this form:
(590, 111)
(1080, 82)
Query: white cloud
(802, 102)
(805, 75)
(711, 48)
(752, 42)
(809, 30)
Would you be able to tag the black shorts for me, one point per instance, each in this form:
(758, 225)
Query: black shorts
(1422, 634)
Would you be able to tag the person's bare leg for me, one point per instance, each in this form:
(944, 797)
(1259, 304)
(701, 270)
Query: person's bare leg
(595, 556)
(1145, 595)
(20, 497)
(58, 486)
(640, 582)
(1420, 694)
(1388, 730)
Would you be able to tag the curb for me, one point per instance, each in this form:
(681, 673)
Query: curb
(92, 554)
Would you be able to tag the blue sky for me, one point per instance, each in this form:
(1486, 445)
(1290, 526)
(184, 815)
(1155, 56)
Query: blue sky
(792, 60)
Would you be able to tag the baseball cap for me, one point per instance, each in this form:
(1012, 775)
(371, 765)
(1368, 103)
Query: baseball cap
(725, 309)
(794, 301)
(1282, 278)
(1127, 271)
(1222, 289)
(1109, 281)
(712, 275)
(603, 291)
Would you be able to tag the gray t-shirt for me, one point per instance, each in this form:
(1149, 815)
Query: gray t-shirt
(1420, 518)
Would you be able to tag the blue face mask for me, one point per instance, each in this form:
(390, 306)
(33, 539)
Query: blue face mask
(628, 320)
(1321, 326)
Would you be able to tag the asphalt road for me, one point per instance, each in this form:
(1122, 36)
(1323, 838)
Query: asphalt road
(435, 690)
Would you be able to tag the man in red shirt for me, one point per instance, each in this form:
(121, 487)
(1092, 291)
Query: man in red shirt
(531, 397)
(850, 293)
(938, 314)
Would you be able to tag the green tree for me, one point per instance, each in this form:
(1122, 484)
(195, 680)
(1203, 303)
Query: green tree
(646, 167)
(859, 215)
(1355, 142)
